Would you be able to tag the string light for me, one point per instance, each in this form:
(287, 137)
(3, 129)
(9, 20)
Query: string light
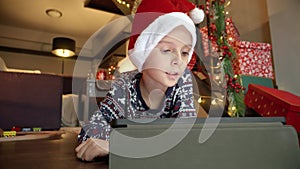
(124, 3)
(200, 100)
(213, 102)
(111, 71)
(227, 4)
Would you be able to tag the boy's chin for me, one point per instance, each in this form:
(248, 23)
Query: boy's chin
(171, 84)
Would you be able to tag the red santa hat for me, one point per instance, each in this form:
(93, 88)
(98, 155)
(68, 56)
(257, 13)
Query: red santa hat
(154, 19)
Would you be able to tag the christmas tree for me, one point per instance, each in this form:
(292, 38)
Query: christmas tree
(216, 24)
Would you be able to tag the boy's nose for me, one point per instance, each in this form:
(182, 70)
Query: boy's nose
(177, 59)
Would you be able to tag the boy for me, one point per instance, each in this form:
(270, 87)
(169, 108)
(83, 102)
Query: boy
(160, 47)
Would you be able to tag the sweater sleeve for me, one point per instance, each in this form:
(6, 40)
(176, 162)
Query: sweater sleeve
(112, 107)
(185, 93)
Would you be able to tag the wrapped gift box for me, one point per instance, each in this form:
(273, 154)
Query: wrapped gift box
(206, 43)
(246, 80)
(232, 34)
(273, 102)
(254, 59)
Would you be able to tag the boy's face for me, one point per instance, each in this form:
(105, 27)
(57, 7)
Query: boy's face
(169, 58)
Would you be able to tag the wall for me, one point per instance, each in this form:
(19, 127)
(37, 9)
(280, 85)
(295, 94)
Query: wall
(251, 19)
(37, 62)
(284, 25)
(40, 41)
(37, 41)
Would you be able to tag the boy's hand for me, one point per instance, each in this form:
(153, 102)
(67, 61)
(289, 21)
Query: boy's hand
(92, 148)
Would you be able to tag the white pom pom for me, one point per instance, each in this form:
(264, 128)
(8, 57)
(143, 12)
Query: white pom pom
(197, 15)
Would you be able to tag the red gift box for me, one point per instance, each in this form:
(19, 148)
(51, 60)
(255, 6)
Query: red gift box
(273, 102)
(254, 59)
(206, 42)
(232, 34)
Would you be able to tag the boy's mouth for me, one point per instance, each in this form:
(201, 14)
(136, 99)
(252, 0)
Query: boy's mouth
(172, 73)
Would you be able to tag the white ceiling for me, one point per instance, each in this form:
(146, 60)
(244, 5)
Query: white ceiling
(24, 23)
(77, 21)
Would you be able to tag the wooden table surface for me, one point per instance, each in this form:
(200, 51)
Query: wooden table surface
(51, 153)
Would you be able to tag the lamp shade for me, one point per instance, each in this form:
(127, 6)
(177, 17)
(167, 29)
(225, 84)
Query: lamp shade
(63, 47)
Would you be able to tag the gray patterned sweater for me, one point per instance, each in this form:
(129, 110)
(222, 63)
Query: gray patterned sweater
(124, 100)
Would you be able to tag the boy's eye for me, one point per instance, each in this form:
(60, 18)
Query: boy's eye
(185, 53)
(166, 50)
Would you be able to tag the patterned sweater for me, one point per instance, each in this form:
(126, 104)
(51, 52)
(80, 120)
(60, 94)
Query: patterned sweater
(124, 100)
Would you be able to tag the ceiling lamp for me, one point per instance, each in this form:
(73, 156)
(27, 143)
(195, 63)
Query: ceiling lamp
(63, 47)
(54, 13)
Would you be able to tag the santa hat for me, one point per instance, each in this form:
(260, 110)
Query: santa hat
(154, 19)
